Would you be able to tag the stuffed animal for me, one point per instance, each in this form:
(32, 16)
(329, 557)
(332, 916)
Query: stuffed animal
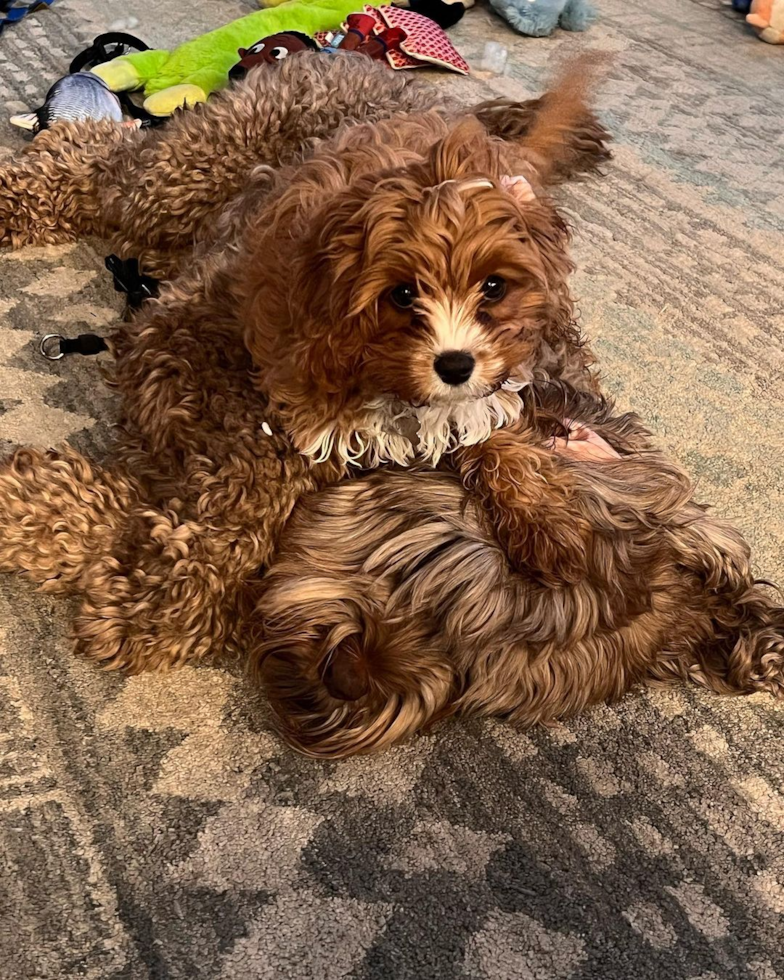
(401, 37)
(190, 73)
(538, 18)
(767, 17)
(270, 50)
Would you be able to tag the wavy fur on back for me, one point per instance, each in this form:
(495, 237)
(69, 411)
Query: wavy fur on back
(417, 614)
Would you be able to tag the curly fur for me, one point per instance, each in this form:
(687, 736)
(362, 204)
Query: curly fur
(274, 360)
(166, 543)
(157, 193)
(418, 616)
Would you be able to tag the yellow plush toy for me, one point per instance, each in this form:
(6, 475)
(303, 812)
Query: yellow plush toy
(190, 73)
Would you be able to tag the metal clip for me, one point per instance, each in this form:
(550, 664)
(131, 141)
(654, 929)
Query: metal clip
(45, 345)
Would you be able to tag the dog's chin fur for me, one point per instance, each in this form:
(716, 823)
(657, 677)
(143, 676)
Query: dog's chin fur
(391, 431)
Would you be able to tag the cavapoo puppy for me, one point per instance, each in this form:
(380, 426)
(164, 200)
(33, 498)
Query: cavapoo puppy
(390, 604)
(383, 299)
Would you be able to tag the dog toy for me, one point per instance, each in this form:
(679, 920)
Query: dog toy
(538, 18)
(82, 95)
(72, 99)
(271, 50)
(446, 13)
(402, 37)
(11, 11)
(767, 17)
(190, 73)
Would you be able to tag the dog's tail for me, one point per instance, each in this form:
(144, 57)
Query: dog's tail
(558, 134)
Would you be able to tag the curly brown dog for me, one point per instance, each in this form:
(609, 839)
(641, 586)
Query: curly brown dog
(390, 604)
(383, 297)
(259, 371)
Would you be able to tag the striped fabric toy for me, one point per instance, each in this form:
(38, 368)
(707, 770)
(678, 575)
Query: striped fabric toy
(11, 10)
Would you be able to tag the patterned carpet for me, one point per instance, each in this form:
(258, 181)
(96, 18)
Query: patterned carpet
(153, 828)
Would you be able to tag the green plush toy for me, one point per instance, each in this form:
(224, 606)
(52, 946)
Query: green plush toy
(189, 74)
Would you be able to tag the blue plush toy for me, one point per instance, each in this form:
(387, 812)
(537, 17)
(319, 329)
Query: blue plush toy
(538, 18)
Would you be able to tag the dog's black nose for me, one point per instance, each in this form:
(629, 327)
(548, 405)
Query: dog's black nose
(237, 73)
(455, 367)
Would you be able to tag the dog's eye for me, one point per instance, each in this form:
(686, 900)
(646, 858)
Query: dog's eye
(279, 53)
(494, 288)
(403, 296)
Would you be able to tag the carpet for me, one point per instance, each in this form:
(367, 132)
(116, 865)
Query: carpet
(153, 827)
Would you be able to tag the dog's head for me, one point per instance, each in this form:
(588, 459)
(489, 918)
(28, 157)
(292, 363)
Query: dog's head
(415, 280)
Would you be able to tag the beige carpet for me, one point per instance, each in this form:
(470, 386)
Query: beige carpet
(153, 828)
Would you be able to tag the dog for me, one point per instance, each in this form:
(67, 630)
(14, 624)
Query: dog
(391, 606)
(283, 345)
(393, 292)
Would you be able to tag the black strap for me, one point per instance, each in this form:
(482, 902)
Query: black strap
(129, 280)
(85, 343)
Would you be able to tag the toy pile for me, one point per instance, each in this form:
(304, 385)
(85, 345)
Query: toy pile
(407, 34)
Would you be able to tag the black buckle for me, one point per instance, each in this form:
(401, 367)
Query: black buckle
(128, 280)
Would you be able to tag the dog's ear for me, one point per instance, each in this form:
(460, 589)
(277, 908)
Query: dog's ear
(557, 136)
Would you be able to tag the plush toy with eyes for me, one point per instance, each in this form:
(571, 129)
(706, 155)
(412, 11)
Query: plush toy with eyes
(192, 72)
(270, 50)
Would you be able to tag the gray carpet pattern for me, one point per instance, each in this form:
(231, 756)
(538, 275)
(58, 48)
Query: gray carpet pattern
(153, 827)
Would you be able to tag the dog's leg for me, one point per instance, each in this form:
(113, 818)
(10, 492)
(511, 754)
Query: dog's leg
(59, 514)
(52, 194)
(747, 655)
(170, 592)
(531, 503)
(737, 641)
(157, 193)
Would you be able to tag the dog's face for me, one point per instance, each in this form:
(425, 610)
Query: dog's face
(424, 300)
(447, 289)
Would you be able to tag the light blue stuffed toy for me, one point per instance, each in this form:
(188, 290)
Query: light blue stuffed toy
(538, 18)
